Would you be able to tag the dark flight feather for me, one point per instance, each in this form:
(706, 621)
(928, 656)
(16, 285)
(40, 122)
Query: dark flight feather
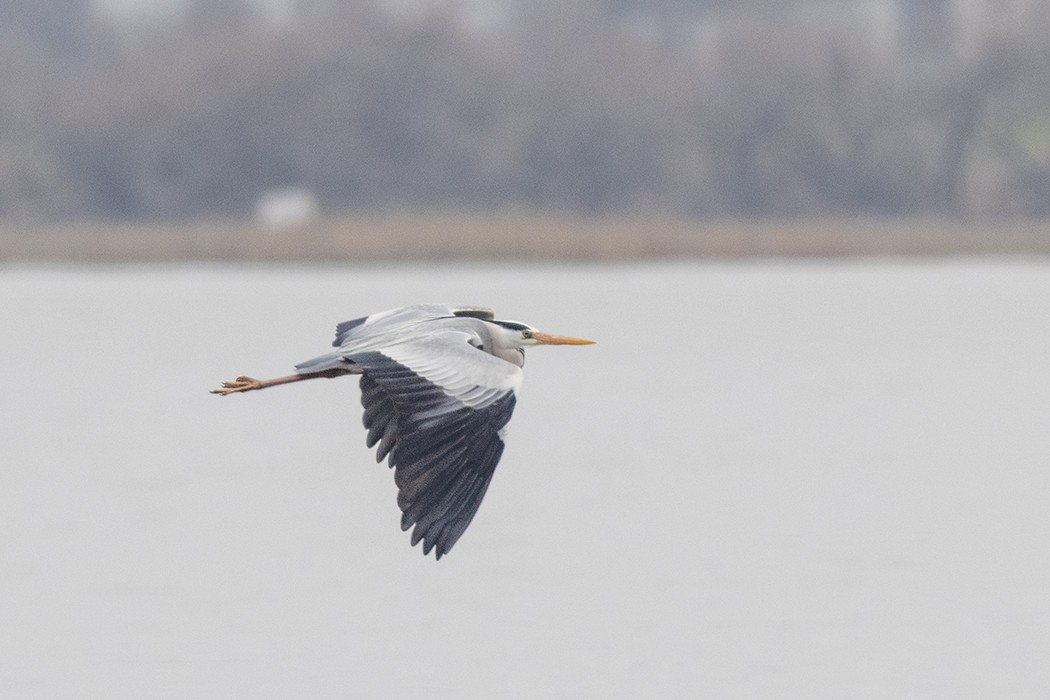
(443, 462)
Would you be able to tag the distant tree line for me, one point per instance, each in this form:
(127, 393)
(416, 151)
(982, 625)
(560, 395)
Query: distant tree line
(696, 109)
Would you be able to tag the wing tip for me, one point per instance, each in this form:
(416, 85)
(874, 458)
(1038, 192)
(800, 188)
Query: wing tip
(431, 540)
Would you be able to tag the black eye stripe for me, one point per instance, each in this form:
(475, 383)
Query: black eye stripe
(512, 325)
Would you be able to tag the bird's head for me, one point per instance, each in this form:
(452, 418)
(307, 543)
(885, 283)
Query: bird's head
(520, 335)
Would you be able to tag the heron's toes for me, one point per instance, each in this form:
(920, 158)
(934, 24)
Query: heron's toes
(238, 384)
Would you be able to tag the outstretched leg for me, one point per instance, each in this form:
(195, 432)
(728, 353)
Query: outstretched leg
(250, 384)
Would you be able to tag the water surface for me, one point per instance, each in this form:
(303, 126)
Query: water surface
(766, 480)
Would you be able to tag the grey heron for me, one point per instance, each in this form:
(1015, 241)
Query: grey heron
(438, 385)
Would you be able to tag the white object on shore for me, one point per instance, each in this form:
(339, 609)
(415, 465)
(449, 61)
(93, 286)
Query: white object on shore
(287, 208)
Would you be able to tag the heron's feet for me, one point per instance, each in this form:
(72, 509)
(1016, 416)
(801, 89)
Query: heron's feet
(238, 384)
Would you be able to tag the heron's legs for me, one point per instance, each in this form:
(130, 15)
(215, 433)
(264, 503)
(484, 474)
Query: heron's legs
(250, 384)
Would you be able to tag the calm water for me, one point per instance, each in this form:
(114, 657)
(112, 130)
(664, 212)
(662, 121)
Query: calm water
(767, 480)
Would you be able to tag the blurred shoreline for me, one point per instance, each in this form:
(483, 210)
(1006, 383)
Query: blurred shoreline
(525, 237)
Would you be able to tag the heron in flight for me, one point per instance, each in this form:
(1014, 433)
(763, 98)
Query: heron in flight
(438, 385)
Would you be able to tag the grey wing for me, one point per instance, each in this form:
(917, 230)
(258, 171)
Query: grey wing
(443, 438)
(385, 321)
(382, 329)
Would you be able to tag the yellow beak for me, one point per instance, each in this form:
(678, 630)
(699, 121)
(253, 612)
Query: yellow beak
(550, 339)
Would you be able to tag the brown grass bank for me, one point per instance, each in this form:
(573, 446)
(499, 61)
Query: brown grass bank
(518, 237)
